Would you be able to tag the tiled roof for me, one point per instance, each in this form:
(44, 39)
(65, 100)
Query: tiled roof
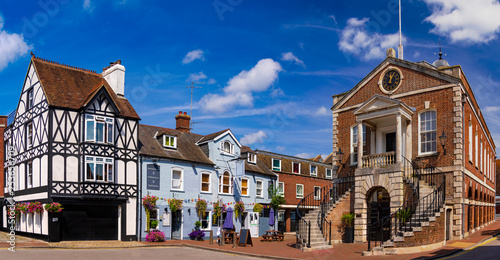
(329, 159)
(70, 87)
(211, 136)
(187, 149)
(260, 167)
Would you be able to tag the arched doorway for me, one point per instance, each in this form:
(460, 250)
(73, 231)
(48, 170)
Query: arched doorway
(379, 207)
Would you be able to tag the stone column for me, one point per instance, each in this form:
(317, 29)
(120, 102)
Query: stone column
(408, 140)
(360, 144)
(399, 136)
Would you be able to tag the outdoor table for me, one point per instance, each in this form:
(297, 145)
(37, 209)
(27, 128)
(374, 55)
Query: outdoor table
(274, 235)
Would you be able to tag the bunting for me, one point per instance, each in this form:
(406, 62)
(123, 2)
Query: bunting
(193, 201)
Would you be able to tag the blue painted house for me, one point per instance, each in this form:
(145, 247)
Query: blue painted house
(175, 163)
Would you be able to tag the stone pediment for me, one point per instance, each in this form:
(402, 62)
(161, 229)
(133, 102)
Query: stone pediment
(378, 102)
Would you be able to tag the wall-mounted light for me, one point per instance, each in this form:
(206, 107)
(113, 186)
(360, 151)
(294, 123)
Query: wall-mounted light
(340, 157)
(442, 140)
(189, 211)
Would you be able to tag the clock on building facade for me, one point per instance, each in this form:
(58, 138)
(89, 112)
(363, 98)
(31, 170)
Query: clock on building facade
(390, 80)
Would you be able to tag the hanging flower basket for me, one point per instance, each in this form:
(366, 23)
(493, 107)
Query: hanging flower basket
(35, 207)
(149, 202)
(53, 207)
(175, 205)
(201, 207)
(239, 207)
(23, 207)
(257, 208)
(218, 209)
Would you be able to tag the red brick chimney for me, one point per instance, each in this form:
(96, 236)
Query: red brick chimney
(182, 122)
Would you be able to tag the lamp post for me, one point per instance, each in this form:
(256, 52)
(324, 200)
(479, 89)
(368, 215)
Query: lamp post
(340, 157)
(442, 140)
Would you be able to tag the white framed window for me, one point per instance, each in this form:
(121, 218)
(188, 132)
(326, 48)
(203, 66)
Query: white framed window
(29, 135)
(169, 141)
(328, 173)
(354, 143)
(29, 99)
(99, 169)
(99, 129)
(314, 170)
(470, 140)
(205, 182)
(481, 155)
(244, 187)
(281, 188)
(259, 189)
(476, 143)
(177, 179)
(317, 192)
(227, 147)
(226, 183)
(296, 167)
(276, 164)
(299, 191)
(252, 158)
(427, 132)
(29, 174)
(206, 221)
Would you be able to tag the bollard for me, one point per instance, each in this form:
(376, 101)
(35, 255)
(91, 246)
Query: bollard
(234, 240)
(211, 237)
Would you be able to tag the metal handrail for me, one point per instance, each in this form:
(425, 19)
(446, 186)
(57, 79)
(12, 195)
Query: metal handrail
(416, 210)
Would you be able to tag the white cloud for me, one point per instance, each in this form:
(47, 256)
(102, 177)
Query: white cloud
(301, 45)
(192, 56)
(333, 18)
(211, 81)
(280, 148)
(304, 155)
(277, 92)
(322, 111)
(87, 5)
(257, 137)
(288, 56)
(355, 39)
(12, 46)
(196, 76)
(471, 21)
(492, 109)
(239, 89)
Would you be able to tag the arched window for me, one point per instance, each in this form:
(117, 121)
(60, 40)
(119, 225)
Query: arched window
(227, 147)
(226, 183)
(427, 132)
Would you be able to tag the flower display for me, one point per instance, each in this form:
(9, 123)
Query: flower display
(34, 207)
(149, 202)
(155, 236)
(197, 234)
(257, 208)
(218, 209)
(53, 207)
(175, 205)
(201, 207)
(239, 207)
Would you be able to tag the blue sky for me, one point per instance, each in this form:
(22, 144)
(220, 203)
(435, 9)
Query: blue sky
(269, 68)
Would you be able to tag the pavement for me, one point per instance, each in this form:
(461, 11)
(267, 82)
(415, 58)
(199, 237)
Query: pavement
(271, 250)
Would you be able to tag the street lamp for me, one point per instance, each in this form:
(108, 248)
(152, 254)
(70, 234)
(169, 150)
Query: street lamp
(340, 156)
(442, 140)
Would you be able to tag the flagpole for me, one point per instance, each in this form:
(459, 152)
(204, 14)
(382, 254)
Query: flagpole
(400, 47)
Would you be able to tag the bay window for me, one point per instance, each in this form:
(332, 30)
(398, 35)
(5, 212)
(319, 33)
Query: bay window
(99, 169)
(99, 129)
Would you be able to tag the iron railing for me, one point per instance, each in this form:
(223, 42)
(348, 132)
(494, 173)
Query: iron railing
(415, 210)
(321, 201)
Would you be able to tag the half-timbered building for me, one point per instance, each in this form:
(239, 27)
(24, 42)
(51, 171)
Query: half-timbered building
(75, 142)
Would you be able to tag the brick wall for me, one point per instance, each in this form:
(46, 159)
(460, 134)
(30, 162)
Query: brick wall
(335, 215)
(434, 233)
(290, 181)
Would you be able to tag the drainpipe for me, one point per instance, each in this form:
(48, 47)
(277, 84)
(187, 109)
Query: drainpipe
(139, 182)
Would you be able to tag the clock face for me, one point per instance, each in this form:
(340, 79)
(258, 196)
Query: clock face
(391, 80)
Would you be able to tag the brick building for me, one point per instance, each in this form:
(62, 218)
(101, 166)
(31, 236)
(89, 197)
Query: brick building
(297, 177)
(497, 201)
(415, 137)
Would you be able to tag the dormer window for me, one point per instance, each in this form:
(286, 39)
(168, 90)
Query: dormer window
(252, 158)
(99, 129)
(169, 141)
(227, 147)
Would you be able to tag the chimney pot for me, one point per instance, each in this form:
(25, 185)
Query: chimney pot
(182, 122)
(185, 113)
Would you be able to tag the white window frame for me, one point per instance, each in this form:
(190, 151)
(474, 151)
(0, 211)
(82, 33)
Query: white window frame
(272, 164)
(354, 143)
(281, 188)
(106, 162)
(420, 132)
(470, 140)
(208, 213)
(481, 156)
(315, 172)
(181, 188)
(293, 167)
(221, 186)
(29, 174)
(29, 99)
(108, 131)
(476, 142)
(252, 158)
(29, 135)
(318, 197)
(247, 187)
(174, 140)
(328, 176)
(223, 148)
(209, 182)
(297, 195)
(261, 189)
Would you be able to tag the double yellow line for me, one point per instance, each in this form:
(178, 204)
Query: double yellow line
(472, 248)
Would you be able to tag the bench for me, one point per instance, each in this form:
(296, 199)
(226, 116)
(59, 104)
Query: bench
(267, 238)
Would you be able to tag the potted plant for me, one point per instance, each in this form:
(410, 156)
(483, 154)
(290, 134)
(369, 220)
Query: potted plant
(155, 236)
(347, 220)
(197, 225)
(153, 224)
(404, 215)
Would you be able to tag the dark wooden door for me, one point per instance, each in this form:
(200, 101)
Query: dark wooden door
(89, 222)
(390, 142)
(177, 225)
